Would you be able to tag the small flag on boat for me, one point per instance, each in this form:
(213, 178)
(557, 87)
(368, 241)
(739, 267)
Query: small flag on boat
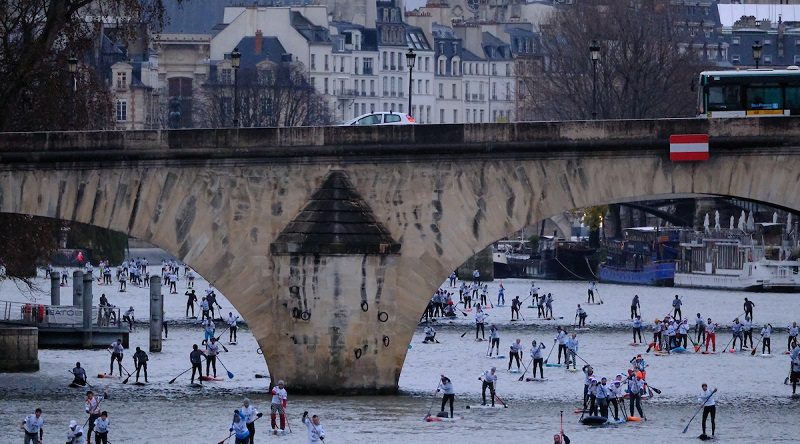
(688, 147)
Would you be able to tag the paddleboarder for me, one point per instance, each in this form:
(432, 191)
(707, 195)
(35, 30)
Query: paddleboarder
(683, 333)
(536, 357)
(33, 426)
(195, 357)
(316, 433)
(748, 309)
(572, 347)
(709, 404)
(676, 307)
(232, 327)
(212, 350)
(191, 299)
(616, 395)
(140, 363)
(700, 329)
(494, 337)
(116, 350)
(101, 428)
(635, 389)
(540, 310)
(747, 333)
(515, 306)
(736, 330)
(580, 314)
(588, 373)
(635, 306)
(793, 331)
(448, 393)
(590, 292)
(278, 407)
(656, 335)
(548, 307)
(239, 428)
(79, 374)
(430, 335)
(515, 352)
(489, 379)
(561, 338)
(480, 320)
(637, 329)
(75, 433)
(250, 414)
(711, 335)
(766, 341)
(603, 394)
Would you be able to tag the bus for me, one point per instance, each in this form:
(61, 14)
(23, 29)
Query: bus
(749, 93)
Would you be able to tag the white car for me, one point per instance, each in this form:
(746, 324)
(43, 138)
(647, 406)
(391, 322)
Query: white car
(381, 118)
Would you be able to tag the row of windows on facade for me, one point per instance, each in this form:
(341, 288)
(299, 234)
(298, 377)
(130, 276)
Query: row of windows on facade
(765, 42)
(393, 87)
(765, 59)
(423, 113)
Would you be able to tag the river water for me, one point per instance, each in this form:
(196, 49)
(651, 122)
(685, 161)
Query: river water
(754, 404)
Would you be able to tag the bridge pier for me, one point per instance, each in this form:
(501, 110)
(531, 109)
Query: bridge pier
(55, 288)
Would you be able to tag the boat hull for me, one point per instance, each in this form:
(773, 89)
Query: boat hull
(660, 274)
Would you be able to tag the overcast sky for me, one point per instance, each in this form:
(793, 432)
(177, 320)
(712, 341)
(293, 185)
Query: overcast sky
(414, 4)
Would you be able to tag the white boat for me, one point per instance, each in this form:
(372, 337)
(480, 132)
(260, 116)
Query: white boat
(733, 259)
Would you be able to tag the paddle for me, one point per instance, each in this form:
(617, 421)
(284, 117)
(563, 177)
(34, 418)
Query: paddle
(230, 375)
(725, 350)
(654, 389)
(430, 407)
(753, 353)
(699, 410)
(561, 433)
(465, 333)
(500, 400)
(260, 376)
(526, 371)
(551, 351)
(181, 374)
(579, 356)
(597, 290)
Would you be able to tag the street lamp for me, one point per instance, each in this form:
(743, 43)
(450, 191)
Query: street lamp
(757, 52)
(410, 59)
(236, 58)
(594, 53)
(72, 66)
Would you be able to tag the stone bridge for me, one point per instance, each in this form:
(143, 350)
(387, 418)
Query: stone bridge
(357, 227)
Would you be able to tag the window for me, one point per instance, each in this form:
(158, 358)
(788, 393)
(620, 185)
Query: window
(385, 106)
(419, 86)
(428, 114)
(401, 107)
(767, 41)
(367, 66)
(793, 98)
(122, 110)
(313, 61)
(455, 116)
(454, 68)
(735, 59)
(453, 92)
(372, 119)
(441, 90)
(427, 61)
(385, 61)
(372, 107)
(724, 98)
(122, 79)
(481, 116)
(226, 76)
(393, 86)
(735, 40)
(766, 96)
(326, 85)
(441, 116)
(355, 66)
(391, 118)
(326, 62)
(508, 90)
(508, 70)
(372, 87)
(427, 87)
(385, 87)
(767, 60)
(391, 57)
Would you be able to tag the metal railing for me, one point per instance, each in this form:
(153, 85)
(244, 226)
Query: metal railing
(40, 315)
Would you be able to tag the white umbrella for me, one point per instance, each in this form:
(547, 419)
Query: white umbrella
(716, 220)
(751, 224)
(732, 218)
(706, 223)
(775, 217)
(742, 220)
(788, 222)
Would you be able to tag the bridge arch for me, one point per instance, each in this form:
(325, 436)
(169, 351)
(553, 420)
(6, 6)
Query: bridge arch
(221, 200)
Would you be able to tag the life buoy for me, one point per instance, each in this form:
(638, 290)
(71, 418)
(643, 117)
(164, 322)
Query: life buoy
(383, 316)
(385, 341)
(364, 306)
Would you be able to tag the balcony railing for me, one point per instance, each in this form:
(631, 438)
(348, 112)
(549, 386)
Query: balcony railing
(345, 92)
(57, 315)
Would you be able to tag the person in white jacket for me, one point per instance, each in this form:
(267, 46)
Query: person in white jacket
(316, 433)
(75, 434)
(249, 413)
(709, 404)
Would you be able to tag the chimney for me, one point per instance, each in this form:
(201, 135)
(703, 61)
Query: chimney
(259, 42)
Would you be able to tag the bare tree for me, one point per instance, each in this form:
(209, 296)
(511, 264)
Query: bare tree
(37, 37)
(275, 94)
(645, 67)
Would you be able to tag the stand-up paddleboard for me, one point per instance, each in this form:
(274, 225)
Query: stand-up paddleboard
(581, 329)
(678, 350)
(231, 343)
(487, 406)
(498, 357)
(479, 339)
(195, 385)
(437, 418)
(573, 370)
(514, 370)
(261, 376)
(578, 411)
(140, 383)
(708, 353)
(75, 385)
(704, 437)
(766, 355)
(106, 375)
(593, 420)
(210, 379)
(635, 344)
(552, 365)
(535, 379)
(634, 419)
(616, 421)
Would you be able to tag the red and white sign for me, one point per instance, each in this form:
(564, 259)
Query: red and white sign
(688, 147)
